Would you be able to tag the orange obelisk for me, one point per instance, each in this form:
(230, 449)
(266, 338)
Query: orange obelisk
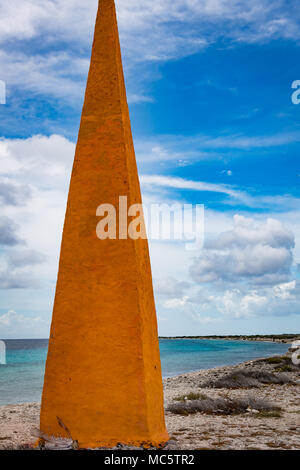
(103, 375)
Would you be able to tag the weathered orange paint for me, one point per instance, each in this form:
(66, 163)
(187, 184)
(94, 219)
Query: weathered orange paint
(103, 373)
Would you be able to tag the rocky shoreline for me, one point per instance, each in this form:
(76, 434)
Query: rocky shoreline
(273, 382)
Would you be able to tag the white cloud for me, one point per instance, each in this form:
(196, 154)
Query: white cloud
(234, 196)
(284, 291)
(170, 287)
(38, 161)
(165, 151)
(251, 21)
(261, 248)
(59, 75)
(150, 30)
(247, 232)
(176, 302)
(250, 251)
(25, 257)
(181, 183)
(13, 193)
(190, 310)
(245, 272)
(279, 300)
(16, 268)
(179, 150)
(8, 232)
(43, 165)
(238, 302)
(247, 142)
(14, 325)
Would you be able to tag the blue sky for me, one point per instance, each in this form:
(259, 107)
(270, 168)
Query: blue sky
(209, 90)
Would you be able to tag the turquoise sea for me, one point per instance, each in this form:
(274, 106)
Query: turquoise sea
(21, 378)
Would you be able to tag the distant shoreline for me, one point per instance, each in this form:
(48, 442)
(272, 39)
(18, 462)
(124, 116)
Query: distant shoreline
(284, 338)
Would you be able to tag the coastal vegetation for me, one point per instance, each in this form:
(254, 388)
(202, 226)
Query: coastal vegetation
(243, 378)
(223, 406)
(228, 392)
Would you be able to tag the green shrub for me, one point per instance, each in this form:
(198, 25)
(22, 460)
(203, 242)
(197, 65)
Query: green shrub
(243, 378)
(284, 368)
(274, 360)
(269, 414)
(191, 396)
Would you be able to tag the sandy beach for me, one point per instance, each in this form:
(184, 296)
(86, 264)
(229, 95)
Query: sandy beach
(210, 429)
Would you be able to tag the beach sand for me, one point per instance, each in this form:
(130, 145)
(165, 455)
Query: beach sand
(251, 430)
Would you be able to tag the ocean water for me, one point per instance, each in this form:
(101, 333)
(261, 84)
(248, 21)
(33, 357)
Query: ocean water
(21, 379)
